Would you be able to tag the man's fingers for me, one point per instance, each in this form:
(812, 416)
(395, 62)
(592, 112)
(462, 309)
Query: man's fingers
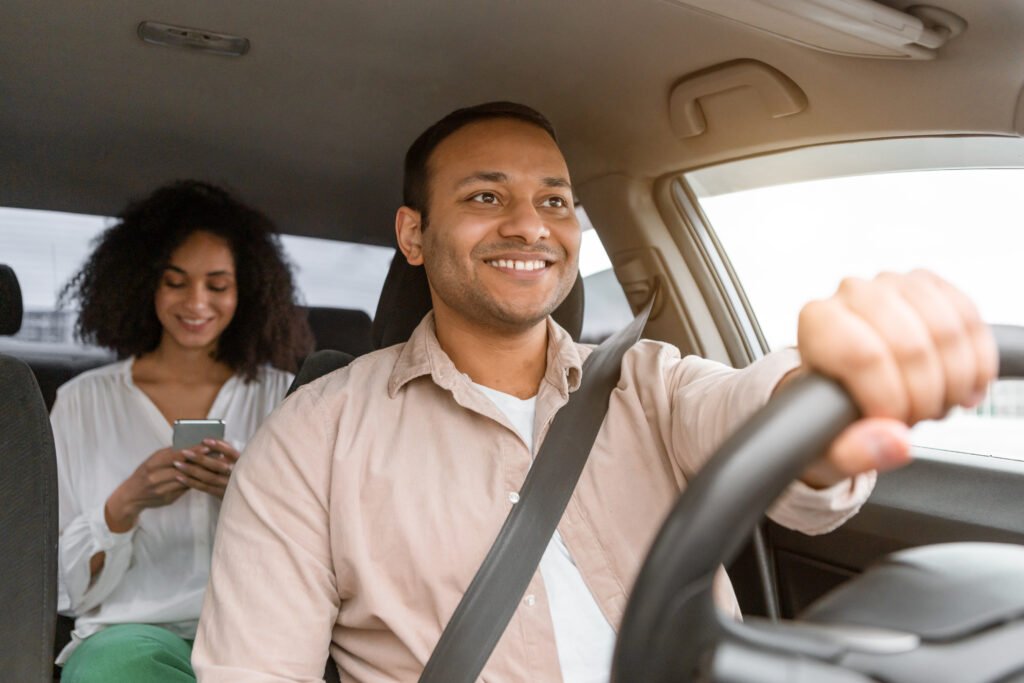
(905, 346)
(907, 339)
(843, 346)
(985, 352)
(873, 443)
(947, 329)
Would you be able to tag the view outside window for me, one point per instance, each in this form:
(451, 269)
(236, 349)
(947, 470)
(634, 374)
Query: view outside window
(792, 243)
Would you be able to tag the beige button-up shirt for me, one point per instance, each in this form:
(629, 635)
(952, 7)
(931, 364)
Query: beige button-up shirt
(360, 512)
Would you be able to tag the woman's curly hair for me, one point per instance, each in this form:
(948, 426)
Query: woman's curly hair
(115, 289)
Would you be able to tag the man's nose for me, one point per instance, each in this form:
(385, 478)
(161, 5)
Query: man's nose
(524, 222)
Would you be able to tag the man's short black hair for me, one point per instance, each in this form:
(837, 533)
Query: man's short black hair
(416, 186)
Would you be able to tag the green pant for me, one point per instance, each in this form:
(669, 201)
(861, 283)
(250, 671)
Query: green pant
(130, 653)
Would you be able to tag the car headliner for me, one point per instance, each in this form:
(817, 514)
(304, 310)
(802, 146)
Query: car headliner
(313, 122)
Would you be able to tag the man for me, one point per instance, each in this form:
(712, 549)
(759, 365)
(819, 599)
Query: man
(361, 511)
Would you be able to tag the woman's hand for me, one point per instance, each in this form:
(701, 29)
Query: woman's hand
(207, 466)
(907, 348)
(153, 484)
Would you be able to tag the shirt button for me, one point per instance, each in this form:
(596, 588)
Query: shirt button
(530, 600)
(513, 497)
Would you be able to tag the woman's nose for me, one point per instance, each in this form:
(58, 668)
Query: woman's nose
(198, 298)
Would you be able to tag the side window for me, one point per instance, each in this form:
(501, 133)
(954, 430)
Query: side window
(606, 309)
(948, 205)
(45, 248)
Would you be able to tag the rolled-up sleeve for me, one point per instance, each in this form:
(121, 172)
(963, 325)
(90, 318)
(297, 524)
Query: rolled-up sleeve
(711, 401)
(272, 599)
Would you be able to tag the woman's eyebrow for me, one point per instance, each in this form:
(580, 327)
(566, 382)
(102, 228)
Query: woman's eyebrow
(212, 273)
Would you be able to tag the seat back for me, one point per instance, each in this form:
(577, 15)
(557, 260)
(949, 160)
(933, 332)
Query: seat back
(10, 301)
(28, 527)
(318, 364)
(405, 299)
(340, 329)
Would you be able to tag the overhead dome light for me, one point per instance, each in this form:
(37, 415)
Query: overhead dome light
(156, 33)
(855, 28)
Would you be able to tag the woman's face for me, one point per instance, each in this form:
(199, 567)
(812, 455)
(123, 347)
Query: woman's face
(197, 295)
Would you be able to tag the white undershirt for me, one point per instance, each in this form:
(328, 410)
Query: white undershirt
(584, 638)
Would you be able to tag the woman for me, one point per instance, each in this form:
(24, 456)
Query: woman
(191, 289)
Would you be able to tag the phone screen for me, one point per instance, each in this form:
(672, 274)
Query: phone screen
(191, 432)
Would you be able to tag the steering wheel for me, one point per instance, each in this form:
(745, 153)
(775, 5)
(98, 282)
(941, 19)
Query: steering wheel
(900, 621)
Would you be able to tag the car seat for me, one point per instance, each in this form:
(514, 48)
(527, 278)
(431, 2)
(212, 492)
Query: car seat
(340, 329)
(28, 511)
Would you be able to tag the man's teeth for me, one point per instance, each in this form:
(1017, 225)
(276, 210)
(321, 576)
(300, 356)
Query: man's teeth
(518, 265)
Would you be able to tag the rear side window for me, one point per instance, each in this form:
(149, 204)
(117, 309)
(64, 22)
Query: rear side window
(952, 206)
(45, 248)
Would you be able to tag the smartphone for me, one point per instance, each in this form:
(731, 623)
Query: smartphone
(191, 432)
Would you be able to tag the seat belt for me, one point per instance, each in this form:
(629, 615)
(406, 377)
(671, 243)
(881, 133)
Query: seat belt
(494, 594)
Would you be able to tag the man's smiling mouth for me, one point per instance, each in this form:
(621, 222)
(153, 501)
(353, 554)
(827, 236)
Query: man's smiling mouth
(514, 264)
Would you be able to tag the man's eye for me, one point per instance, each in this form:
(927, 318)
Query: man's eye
(556, 202)
(485, 198)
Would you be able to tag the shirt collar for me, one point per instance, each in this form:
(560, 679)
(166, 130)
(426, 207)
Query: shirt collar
(423, 355)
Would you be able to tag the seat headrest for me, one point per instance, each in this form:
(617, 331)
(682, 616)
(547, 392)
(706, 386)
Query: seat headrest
(405, 299)
(340, 329)
(11, 310)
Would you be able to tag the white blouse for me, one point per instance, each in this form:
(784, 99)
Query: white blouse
(104, 427)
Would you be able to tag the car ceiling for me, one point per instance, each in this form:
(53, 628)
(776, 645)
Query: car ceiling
(312, 124)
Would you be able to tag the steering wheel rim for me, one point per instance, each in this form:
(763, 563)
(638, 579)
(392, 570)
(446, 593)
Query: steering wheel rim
(671, 625)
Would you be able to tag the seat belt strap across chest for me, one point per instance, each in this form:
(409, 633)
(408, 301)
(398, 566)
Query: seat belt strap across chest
(494, 594)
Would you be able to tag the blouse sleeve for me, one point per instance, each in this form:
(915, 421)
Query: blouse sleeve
(83, 530)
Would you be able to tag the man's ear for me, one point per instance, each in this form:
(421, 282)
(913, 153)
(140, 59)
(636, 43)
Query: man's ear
(409, 231)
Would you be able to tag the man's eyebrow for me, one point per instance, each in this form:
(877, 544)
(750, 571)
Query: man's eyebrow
(500, 177)
(212, 273)
(554, 181)
(485, 176)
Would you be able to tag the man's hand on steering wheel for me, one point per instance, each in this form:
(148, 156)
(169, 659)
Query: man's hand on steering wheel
(908, 347)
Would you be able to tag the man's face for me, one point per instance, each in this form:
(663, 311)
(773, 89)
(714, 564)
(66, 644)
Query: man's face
(502, 245)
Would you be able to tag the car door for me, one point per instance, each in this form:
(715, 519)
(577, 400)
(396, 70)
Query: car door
(777, 231)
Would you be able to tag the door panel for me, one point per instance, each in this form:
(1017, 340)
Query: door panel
(939, 498)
